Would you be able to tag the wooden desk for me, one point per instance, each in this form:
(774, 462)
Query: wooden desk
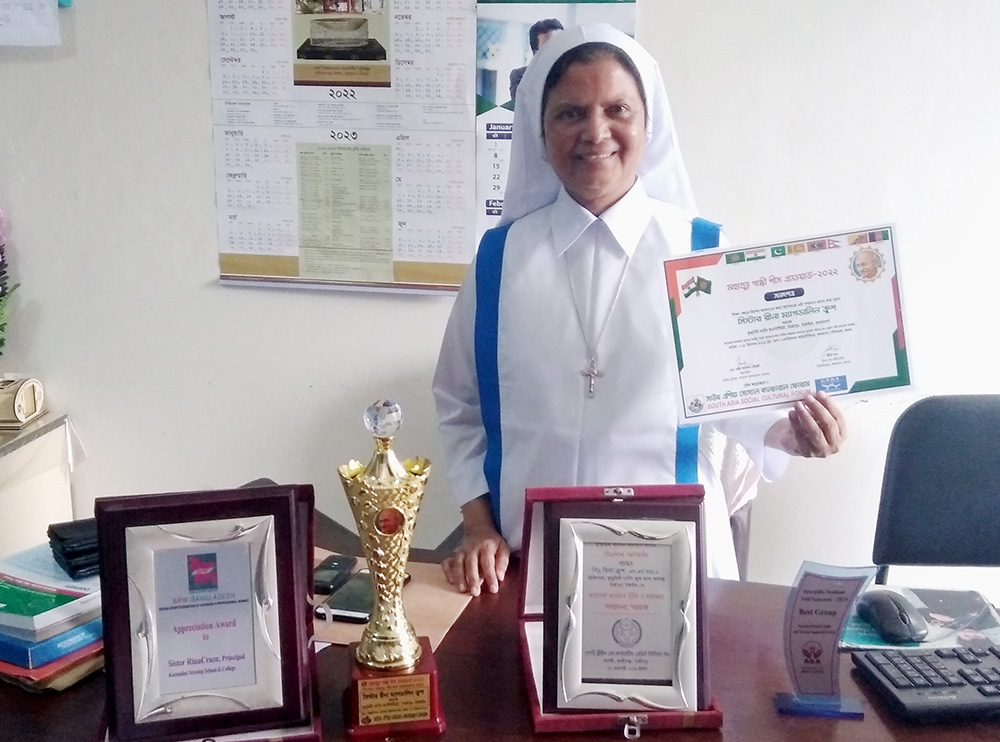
(483, 691)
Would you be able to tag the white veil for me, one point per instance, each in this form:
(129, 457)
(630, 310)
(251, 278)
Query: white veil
(531, 182)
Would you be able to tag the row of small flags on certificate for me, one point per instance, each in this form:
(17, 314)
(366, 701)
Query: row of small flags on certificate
(826, 243)
(779, 251)
(699, 285)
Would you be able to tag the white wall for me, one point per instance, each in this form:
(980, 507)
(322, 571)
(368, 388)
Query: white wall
(795, 117)
(799, 116)
(174, 381)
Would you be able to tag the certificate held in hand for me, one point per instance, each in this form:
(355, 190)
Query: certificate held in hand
(758, 327)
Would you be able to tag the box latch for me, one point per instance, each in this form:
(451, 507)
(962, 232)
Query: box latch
(632, 728)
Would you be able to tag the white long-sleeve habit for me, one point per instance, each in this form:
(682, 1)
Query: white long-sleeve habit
(553, 433)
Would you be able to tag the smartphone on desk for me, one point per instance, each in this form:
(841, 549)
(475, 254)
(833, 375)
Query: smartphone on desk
(332, 572)
(353, 601)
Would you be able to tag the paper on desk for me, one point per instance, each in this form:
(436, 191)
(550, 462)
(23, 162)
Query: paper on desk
(37, 565)
(431, 604)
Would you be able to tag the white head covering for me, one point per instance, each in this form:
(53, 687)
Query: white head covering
(531, 181)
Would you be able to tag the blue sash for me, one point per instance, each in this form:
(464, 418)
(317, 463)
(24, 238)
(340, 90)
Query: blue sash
(489, 266)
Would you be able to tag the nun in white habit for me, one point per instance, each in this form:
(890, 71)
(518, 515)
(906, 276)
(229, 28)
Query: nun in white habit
(581, 391)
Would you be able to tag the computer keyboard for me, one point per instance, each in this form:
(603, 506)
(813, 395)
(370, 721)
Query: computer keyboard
(928, 684)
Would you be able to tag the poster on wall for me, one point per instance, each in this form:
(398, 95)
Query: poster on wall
(344, 141)
(29, 23)
(508, 34)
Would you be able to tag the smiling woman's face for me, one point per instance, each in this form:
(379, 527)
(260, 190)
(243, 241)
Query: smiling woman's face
(594, 124)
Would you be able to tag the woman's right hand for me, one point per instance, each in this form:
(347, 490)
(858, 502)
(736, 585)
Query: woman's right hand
(481, 559)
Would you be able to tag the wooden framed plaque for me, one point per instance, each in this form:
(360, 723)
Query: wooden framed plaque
(614, 629)
(206, 626)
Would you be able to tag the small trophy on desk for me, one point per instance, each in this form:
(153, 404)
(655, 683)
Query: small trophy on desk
(394, 686)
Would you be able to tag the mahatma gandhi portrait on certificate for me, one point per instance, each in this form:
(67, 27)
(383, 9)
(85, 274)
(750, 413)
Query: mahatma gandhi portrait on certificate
(627, 619)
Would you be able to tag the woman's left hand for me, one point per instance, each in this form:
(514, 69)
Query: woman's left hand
(815, 427)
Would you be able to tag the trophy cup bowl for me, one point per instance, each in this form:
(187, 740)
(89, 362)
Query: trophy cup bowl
(393, 666)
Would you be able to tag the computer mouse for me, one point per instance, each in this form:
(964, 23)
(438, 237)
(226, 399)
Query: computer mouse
(892, 615)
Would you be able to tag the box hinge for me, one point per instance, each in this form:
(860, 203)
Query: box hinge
(618, 493)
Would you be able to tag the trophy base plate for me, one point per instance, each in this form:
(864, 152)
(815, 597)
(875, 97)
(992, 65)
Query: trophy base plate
(378, 703)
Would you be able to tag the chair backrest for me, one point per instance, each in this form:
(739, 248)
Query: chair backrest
(941, 487)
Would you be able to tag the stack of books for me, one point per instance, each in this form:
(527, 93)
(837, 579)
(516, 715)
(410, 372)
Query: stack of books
(50, 624)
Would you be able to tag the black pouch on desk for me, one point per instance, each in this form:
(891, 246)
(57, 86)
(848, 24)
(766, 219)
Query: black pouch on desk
(74, 537)
(80, 566)
(74, 546)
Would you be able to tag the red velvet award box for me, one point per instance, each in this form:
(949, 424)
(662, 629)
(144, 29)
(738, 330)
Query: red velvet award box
(613, 622)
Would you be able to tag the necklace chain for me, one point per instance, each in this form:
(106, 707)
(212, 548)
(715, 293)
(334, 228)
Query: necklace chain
(592, 372)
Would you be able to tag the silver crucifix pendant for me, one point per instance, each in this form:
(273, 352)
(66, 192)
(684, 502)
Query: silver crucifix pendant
(592, 373)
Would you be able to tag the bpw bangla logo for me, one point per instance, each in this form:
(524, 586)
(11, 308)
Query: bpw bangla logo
(203, 572)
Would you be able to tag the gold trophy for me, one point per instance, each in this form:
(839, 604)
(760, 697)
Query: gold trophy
(394, 686)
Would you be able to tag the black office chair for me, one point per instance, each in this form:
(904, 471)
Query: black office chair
(941, 487)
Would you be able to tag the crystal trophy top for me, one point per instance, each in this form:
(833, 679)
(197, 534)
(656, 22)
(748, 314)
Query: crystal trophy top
(383, 418)
(385, 497)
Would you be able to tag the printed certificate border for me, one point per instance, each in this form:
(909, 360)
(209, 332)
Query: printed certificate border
(131, 530)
